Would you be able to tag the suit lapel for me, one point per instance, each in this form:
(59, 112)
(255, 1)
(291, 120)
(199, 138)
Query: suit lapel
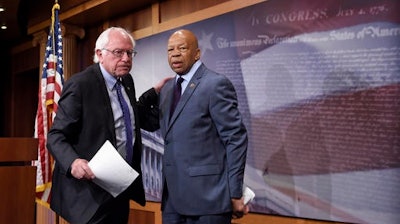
(167, 101)
(190, 88)
(100, 82)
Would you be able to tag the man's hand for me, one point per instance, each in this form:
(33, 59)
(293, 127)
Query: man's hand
(81, 170)
(159, 85)
(239, 208)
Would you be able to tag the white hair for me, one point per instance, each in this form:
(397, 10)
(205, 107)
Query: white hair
(103, 40)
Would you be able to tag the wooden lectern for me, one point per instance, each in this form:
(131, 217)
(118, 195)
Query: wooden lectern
(17, 180)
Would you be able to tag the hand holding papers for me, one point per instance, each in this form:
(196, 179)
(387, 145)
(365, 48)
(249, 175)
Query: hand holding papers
(248, 195)
(112, 172)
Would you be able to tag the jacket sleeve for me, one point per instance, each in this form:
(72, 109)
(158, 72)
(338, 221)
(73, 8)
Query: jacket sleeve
(64, 127)
(148, 110)
(227, 119)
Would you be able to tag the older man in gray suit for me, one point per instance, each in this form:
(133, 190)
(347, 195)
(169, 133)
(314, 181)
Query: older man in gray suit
(205, 140)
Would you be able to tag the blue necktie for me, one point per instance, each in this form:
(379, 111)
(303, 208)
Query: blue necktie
(177, 95)
(127, 121)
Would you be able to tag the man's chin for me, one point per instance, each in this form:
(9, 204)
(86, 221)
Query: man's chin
(122, 72)
(178, 71)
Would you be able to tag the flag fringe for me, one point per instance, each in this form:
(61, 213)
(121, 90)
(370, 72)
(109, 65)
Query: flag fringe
(43, 187)
(43, 203)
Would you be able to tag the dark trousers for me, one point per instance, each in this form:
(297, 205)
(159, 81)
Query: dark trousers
(116, 211)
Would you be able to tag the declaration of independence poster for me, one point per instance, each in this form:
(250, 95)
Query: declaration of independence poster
(318, 85)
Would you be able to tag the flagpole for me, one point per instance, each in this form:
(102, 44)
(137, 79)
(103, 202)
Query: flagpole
(50, 88)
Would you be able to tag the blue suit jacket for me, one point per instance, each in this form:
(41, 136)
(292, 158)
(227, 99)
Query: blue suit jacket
(205, 145)
(84, 121)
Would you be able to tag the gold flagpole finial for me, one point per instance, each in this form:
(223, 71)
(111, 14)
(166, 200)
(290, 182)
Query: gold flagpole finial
(55, 6)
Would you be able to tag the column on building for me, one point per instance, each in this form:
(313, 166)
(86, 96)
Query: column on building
(70, 36)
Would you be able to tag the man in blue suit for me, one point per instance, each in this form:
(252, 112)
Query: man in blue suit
(205, 141)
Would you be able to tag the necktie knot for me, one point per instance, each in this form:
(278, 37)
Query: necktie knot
(180, 80)
(118, 85)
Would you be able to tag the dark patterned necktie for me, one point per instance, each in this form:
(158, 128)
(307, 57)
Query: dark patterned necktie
(177, 95)
(127, 121)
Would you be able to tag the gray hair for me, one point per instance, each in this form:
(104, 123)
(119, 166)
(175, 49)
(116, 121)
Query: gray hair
(103, 40)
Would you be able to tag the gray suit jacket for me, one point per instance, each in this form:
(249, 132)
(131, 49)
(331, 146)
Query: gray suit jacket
(84, 121)
(205, 145)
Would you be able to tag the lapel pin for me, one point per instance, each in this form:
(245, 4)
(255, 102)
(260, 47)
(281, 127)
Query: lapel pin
(192, 85)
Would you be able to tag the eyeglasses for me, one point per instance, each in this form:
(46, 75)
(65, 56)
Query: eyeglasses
(120, 53)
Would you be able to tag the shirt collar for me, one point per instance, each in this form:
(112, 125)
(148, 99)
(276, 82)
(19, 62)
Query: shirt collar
(110, 80)
(188, 76)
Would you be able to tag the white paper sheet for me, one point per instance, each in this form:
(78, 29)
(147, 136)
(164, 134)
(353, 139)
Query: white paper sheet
(248, 195)
(112, 172)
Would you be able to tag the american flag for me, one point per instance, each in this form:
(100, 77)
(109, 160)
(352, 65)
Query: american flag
(49, 93)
